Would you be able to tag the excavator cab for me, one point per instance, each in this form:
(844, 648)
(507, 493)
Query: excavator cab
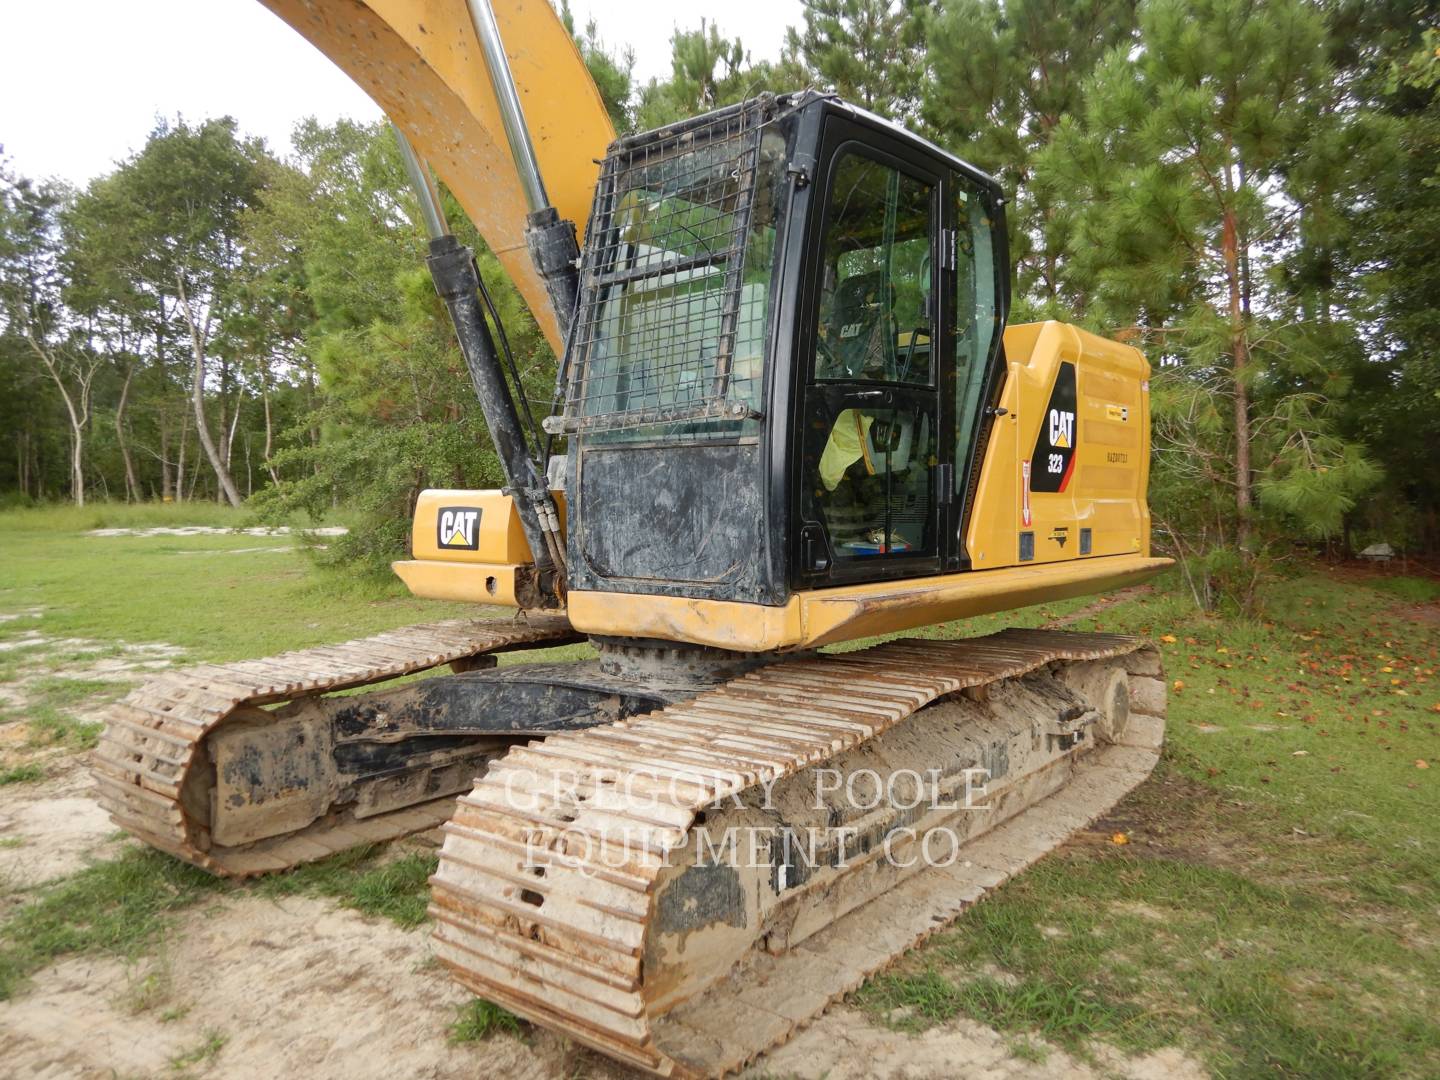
(788, 331)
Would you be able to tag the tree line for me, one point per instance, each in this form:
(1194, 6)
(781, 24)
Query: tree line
(1248, 190)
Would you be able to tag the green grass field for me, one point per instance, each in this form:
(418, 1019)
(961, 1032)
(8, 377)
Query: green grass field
(1269, 901)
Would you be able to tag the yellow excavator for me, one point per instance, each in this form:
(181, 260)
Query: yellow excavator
(789, 417)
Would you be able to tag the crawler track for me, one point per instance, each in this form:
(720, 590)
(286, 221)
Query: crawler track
(551, 894)
(151, 755)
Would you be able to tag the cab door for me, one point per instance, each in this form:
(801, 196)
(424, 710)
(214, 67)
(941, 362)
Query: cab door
(876, 445)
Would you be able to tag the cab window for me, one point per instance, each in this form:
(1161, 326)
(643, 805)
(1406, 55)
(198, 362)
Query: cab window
(875, 297)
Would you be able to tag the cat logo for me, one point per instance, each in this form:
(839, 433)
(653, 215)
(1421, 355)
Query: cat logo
(1062, 429)
(459, 528)
(850, 330)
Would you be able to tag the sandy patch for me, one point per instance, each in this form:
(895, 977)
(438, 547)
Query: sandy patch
(211, 530)
(133, 662)
(237, 551)
(842, 1045)
(59, 826)
(30, 639)
(294, 987)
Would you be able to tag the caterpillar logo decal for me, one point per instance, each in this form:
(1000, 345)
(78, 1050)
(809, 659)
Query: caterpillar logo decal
(458, 528)
(1054, 455)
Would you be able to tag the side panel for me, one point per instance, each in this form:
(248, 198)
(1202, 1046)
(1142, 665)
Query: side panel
(469, 546)
(1066, 470)
(468, 527)
(688, 519)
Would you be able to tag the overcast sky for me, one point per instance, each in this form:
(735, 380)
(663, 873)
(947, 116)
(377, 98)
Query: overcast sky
(82, 81)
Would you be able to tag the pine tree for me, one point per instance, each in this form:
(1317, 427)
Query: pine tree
(612, 72)
(1182, 178)
(708, 71)
(1002, 75)
(870, 52)
(1397, 405)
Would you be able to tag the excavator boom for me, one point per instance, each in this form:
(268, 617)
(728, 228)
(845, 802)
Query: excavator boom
(422, 63)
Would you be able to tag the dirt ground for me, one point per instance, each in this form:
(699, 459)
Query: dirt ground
(291, 986)
(58, 826)
(297, 986)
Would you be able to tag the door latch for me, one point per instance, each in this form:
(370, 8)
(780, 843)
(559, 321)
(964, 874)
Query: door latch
(945, 483)
(814, 552)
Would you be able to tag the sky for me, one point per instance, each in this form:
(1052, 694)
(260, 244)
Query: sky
(83, 81)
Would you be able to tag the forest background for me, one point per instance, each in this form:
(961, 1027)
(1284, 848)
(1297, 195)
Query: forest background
(1248, 190)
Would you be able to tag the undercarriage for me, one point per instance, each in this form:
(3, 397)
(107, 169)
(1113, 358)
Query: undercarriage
(668, 853)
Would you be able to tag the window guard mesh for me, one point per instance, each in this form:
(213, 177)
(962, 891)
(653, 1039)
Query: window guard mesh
(664, 296)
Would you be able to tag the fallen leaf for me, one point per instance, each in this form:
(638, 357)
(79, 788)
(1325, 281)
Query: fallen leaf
(1421, 763)
(1119, 838)
(1179, 685)
(1168, 639)
(1300, 753)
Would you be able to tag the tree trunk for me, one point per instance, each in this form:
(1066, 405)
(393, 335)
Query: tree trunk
(132, 487)
(77, 409)
(230, 444)
(198, 337)
(180, 460)
(1240, 354)
(310, 410)
(269, 432)
(77, 467)
(165, 483)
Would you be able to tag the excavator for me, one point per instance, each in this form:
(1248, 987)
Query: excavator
(792, 433)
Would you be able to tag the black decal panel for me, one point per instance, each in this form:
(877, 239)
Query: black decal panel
(1053, 459)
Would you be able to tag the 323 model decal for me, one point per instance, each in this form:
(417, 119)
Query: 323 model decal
(1053, 460)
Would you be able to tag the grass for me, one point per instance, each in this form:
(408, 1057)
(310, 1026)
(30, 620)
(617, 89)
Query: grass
(479, 1019)
(26, 773)
(1412, 589)
(139, 589)
(1275, 909)
(50, 708)
(205, 1050)
(396, 889)
(226, 596)
(120, 906)
(64, 518)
